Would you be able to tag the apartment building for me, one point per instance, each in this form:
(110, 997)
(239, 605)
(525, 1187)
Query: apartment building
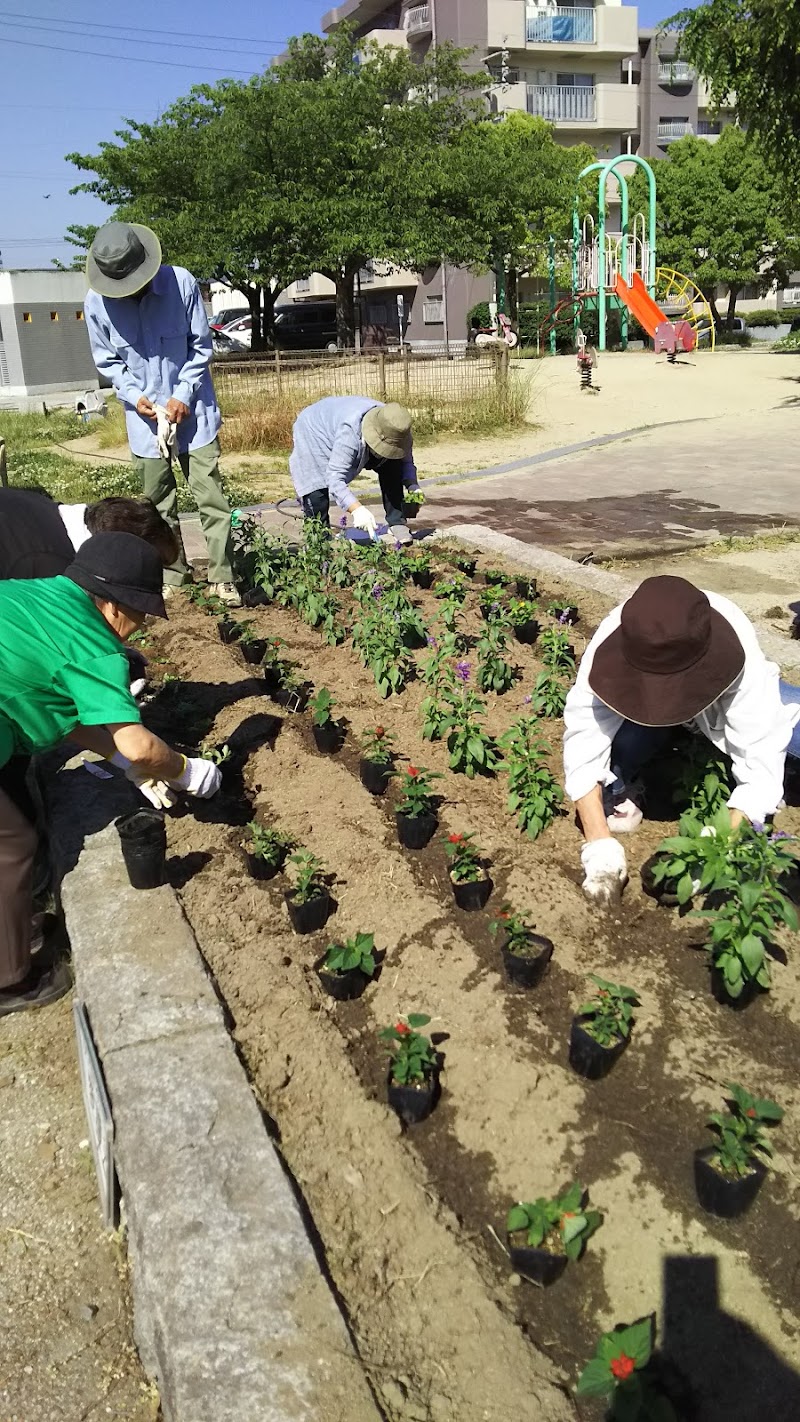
(672, 100)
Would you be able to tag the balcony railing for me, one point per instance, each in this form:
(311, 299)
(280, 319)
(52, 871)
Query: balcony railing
(418, 19)
(672, 129)
(561, 26)
(675, 71)
(562, 102)
(709, 128)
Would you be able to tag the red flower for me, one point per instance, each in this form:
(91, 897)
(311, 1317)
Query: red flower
(622, 1367)
(570, 1215)
(379, 732)
(750, 1111)
(403, 1028)
(455, 838)
(413, 772)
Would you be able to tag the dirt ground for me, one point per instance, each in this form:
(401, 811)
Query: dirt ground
(412, 1222)
(67, 1351)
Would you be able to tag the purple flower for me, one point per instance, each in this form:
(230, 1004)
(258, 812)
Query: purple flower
(563, 617)
(325, 567)
(432, 642)
(778, 835)
(463, 671)
(758, 826)
(526, 700)
(495, 607)
(343, 521)
(377, 591)
(398, 547)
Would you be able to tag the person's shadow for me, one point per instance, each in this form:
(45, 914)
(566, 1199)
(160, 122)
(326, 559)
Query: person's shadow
(732, 1373)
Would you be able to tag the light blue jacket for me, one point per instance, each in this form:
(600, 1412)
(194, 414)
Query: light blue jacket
(159, 347)
(329, 450)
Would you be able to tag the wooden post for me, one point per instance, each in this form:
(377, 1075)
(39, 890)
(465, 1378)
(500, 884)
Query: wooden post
(406, 370)
(382, 374)
(3, 465)
(278, 372)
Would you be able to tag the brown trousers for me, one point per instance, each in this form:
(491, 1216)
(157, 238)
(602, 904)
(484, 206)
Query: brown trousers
(17, 849)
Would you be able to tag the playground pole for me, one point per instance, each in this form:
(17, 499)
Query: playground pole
(551, 266)
(650, 281)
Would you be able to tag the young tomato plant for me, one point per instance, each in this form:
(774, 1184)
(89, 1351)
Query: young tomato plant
(464, 857)
(739, 1134)
(494, 672)
(561, 1225)
(357, 952)
(413, 1055)
(609, 1014)
(417, 792)
(534, 795)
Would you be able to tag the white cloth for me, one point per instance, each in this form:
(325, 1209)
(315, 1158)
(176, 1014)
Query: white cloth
(749, 723)
(166, 433)
(73, 517)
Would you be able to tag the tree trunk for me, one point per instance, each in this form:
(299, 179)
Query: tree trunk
(512, 295)
(269, 297)
(343, 279)
(733, 292)
(253, 294)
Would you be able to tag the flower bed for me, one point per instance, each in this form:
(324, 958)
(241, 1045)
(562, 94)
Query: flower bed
(413, 1218)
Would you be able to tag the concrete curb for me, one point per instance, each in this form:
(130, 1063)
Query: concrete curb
(233, 1317)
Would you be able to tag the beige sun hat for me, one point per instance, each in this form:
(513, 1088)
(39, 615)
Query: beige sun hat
(387, 430)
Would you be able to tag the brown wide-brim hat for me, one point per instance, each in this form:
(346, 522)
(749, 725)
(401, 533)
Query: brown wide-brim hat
(123, 258)
(671, 657)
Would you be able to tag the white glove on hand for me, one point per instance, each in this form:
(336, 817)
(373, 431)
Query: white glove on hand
(362, 518)
(606, 871)
(200, 777)
(166, 433)
(156, 791)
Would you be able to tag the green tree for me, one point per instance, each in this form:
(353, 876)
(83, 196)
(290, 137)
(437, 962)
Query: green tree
(750, 50)
(719, 216)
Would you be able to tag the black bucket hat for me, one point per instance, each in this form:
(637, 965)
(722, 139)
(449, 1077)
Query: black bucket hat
(123, 258)
(120, 568)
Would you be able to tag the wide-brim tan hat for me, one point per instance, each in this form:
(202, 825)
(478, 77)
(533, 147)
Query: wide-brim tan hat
(387, 430)
(123, 258)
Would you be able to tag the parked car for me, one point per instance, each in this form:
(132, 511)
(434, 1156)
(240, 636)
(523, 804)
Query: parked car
(238, 331)
(223, 344)
(221, 319)
(306, 326)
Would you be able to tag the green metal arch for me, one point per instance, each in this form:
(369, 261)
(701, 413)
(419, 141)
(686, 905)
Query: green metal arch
(604, 169)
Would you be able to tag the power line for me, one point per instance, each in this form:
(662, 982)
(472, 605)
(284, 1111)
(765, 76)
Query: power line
(120, 38)
(92, 25)
(219, 70)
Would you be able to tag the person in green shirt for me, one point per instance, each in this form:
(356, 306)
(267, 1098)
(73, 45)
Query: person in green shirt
(64, 674)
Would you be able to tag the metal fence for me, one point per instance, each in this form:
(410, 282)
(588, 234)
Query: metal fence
(415, 381)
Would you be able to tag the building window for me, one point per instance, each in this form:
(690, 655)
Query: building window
(27, 318)
(78, 315)
(707, 128)
(53, 315)
(432, 311)
(302, 284)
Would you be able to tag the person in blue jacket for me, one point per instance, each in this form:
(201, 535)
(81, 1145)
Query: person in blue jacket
(334, 440)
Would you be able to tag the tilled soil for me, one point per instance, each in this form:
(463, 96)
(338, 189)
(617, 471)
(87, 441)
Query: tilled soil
(411, 1222)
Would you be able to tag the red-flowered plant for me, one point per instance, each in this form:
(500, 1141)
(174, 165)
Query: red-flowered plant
(619, 1372)
(413, 1054)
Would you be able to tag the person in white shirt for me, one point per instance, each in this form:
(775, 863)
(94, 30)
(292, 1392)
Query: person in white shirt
(671, 655)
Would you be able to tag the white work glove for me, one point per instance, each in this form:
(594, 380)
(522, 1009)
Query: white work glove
(200, 777)
(362, 518)
(166, 433)
(605, 869)
(156, 791)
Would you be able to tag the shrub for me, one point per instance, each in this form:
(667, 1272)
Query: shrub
(763, 318)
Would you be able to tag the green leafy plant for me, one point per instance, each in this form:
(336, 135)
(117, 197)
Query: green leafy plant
(464, 857)
(521, 610)
(691, 860)
(618, 1371)
(497, 577)
(742, 928)
(494, 672)
(608, 1015)
(310, 876)
(417, 792)
(515, 928)
(248, 634)
(739, 1135)
(322, 707)
(702, 779)
(413, 1054)
(463, 563)
(561, 1225)
(378, 638)
(472, 750)
(534, 795)
(271, 845)
(556, 651)
(219, 755)
(376, 743)
(357, 952)
(452, 588)
(415, 497)
(548, 697)
(563, 612)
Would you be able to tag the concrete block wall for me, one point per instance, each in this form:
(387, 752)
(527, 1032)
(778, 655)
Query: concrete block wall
(44, 344)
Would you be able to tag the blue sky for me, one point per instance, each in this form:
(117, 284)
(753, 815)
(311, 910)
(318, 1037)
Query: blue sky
(72, 73)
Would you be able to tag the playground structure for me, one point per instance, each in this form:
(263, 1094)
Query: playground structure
(617, 271)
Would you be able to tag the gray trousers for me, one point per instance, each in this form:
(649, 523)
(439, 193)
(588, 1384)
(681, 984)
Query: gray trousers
(200, 468)
(17, 849)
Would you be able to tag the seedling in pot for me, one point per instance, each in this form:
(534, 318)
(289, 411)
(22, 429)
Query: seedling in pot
(450, 589)
(534, 795)
(228, 630)
(526, 955)
(494, 577)
(268, 850)
(601, 1028)
(494, 672)
(472, 750)
(729, 1174)
(219, 755)
(557, 652)
(492, 607)
(415, 816)
(421, 570)
(327, 732)
(309, 902)
(347, 967)
(522, 616)
(565, 613)
(526, 587)
(544, 1234)
(414, 1068)
(619, 1372)
(413, 499)
(464, 564)
(252, 646)
(471, 885)
(377, 762)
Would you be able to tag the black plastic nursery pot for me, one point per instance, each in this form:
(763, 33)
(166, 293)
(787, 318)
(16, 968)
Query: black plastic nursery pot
(587, 1057)
(422, 577)
(254, 652)
(472, 894)
(527, 587)
(539, 1265)
(527, 632)
(568, 616)
(272, 681)
(292, 700)
(467, 566)
(412, 1102)
(255, 597)
(724, 1195)
(310, 916)
(328, 739)
(228, 631)
(375, 775)
(262, 869)
(526, 968)
(143, 838)
(664, 892)
(415, 831)
(496, 580)
(410, 510)
(343, 986)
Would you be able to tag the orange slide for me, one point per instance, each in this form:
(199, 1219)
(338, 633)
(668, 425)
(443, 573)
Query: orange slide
(665, 335)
